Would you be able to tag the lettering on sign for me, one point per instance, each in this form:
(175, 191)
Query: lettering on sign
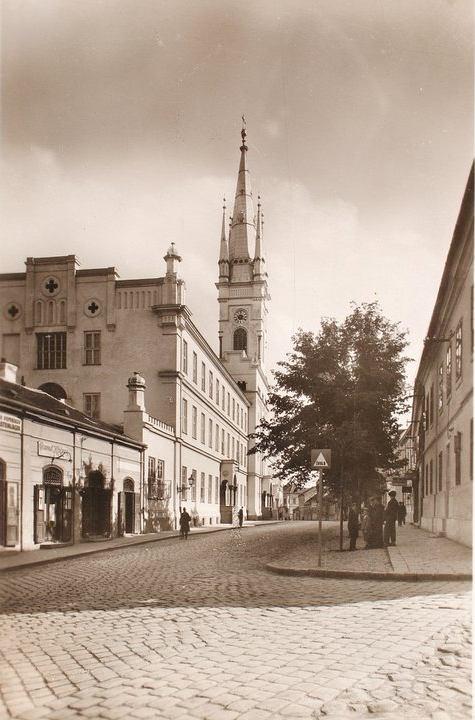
(10, 422)
(54, 451)
(321, 458)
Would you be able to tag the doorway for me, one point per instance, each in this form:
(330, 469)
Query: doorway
(96, 507)
(129, 508)
(53, 508)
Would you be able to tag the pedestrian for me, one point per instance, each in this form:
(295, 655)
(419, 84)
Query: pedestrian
(376, 520)
(185, 520)
(401, 514)
(390, 517)
(241, 516)
(365, 525)
(353, 526)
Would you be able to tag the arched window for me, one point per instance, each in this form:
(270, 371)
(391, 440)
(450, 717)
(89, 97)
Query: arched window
(128, 485)
(54, 390)
(62, 312)
(50, 317)
(240, 339)
(52, 475)
(39, 312)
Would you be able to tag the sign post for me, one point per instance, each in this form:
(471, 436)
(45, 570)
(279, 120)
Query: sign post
(321, 460)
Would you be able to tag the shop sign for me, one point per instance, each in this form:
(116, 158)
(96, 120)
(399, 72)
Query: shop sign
(10, 422)
(54, 451)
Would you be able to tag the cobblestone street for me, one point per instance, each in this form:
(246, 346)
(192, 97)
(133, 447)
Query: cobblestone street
(200, 629)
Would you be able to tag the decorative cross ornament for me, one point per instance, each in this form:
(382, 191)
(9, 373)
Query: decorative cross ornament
(93, 307)
(51, 285)
(13, 310)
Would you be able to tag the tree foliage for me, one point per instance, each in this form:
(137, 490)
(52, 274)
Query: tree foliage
(343, 389)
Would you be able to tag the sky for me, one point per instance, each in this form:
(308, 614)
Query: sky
(121, 130)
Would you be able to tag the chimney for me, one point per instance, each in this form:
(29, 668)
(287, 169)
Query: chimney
(136, 386)
(8, 371)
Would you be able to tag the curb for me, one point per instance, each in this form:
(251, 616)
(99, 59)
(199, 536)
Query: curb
(84, 553)
(365, 575)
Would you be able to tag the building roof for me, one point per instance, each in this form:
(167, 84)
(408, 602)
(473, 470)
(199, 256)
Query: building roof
(29, 400)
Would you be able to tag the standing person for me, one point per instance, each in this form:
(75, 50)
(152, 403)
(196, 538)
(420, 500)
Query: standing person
(241, 516)
(185, 520)
(401, 514)
(390, 517)
(353, 525)
(365, 526)
(376, 518)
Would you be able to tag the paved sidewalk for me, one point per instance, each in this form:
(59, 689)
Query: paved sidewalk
(418, 555)
(13, 559)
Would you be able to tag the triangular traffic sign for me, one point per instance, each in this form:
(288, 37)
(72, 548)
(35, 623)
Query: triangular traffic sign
(320, 461)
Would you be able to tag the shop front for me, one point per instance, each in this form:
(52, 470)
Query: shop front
(53, 508)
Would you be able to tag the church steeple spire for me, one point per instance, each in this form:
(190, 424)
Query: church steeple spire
(223, 248)
(243, 228)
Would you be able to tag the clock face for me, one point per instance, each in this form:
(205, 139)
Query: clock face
(240, 316)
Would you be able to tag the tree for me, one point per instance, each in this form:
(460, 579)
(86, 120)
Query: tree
(343, 389)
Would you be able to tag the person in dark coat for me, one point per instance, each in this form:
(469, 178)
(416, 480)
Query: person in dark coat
(401, 514)
(185, 521)
(353, 525)
(376, 520)
(241, 516)
(390, 518)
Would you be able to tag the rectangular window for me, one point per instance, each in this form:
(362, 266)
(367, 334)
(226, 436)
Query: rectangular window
(216, 490)
(210, 433)
(195, 367)
(431, 405)
(92, 348)
(203, 377)
(448, 370)
(184, 365)
(92, 405)
(426, 424)
(440, 471)
(194, 478)
(458, 351)
(217, 392)
(234, 409)
(203, 488)
(229, 446)
(233, 447)
(51, 351)
(194, 422)
(184, 482)
(223, 397)
(229, 404)
(152, 477)
(216, 439)
(458, 458)
(203, 428)
(210, 387)
(440, 398)
(184, 416)
(222, 442)
(431, 477)
(210, 488)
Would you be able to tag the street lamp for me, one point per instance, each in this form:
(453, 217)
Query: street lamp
(184, 488)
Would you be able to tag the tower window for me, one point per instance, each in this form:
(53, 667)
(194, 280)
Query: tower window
(240, 339)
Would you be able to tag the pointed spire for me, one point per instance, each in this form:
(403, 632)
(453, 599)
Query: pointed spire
(243, 228)
(223, 248)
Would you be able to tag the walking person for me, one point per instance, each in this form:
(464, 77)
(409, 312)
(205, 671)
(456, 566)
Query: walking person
(376, 519)
(185, 521)
(390, 518)
(401, 514)
(241, 517)
(353, 525)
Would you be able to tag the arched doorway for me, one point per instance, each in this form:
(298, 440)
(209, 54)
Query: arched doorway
(55, 390)
(52, 508)
(129, 503)
(96, 506)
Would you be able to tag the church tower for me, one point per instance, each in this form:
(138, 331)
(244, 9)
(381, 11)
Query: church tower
(243, 298)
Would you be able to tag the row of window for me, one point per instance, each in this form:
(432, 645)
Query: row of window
(216, 390)
(50, 313)
(157, 487)
(51, 350)
(201, 489)
(435, 474)
(225, 443)
(445, 377)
